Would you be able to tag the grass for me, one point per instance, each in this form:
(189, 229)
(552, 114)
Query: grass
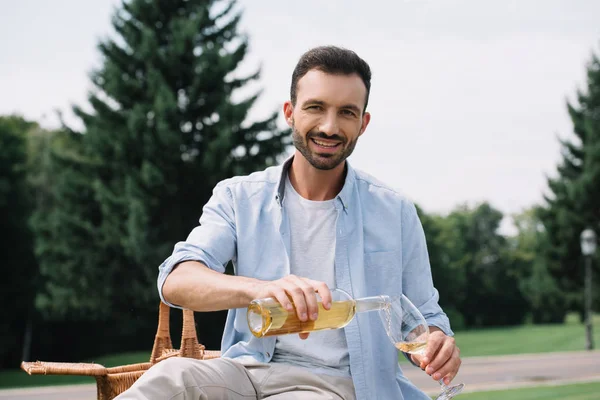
(580, 391)
(569, 336)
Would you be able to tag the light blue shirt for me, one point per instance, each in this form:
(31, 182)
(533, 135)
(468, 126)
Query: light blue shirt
(380, 249)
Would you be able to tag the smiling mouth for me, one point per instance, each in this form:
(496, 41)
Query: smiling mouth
(325, 144)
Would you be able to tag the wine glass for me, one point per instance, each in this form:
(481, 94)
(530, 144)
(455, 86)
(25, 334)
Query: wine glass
(407, 329)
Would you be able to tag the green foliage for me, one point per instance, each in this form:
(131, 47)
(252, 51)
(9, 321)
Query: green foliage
(448, 276)
(572, 204)
(546, 301)
(492, 293)
(18, 267)
(166, 125)
(472, 268)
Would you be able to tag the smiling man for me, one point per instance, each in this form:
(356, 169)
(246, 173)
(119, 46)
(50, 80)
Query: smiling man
(295, 231)
(316, 116)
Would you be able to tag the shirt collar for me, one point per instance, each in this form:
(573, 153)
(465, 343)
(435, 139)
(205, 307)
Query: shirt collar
(344, 195)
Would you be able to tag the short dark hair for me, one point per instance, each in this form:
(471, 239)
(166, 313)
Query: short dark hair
(331, 60)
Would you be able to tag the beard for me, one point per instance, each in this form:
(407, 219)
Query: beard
(322, 161)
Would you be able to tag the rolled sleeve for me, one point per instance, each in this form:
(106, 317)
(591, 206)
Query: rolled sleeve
(434, 315)
(212, 243)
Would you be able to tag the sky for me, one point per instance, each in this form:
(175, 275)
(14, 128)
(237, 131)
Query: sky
(468, 97)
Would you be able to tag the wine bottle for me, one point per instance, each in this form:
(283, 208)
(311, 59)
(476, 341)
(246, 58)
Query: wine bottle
(266, 317)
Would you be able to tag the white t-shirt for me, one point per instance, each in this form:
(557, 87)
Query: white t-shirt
(312, 231)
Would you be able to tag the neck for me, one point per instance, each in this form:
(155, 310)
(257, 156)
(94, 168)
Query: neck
(315, 184)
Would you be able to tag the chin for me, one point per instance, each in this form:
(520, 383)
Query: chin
(325, 163)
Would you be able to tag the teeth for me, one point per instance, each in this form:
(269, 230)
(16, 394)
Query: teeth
(324, 144)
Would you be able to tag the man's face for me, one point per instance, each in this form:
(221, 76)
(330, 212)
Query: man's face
(328, 117)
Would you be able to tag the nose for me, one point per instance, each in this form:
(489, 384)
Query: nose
(329, 124)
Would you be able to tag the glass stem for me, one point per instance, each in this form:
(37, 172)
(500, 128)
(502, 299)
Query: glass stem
(372, 303)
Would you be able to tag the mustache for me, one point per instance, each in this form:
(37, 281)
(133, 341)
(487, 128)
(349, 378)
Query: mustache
(322, 135)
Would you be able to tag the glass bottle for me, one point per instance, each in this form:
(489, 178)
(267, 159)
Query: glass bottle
(266, 317)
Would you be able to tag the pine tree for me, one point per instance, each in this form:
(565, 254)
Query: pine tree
(18, 267)
(573, 203)
(164, 129)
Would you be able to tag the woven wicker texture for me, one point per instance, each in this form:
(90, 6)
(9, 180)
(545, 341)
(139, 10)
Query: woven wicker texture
(113, 381)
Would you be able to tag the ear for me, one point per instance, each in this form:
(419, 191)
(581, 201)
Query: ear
(365, 121)
(288, 113)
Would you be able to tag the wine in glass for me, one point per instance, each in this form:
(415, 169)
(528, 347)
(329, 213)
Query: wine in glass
(407, 329)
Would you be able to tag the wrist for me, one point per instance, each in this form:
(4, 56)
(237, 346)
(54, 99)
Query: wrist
(248, 290)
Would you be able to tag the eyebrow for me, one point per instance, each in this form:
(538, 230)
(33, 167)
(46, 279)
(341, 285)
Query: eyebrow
(322, 103)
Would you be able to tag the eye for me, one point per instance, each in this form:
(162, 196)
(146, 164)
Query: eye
(348, 113)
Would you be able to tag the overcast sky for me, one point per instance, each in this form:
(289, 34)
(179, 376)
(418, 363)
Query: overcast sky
(467, 100)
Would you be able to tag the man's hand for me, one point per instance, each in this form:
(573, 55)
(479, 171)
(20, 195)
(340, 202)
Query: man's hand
(442, 356)
(302, 292)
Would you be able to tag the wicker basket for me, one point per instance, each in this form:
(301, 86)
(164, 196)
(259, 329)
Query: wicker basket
(113, 381)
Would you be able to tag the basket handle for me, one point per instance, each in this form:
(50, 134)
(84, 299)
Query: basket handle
(190, 347)
(162, 340)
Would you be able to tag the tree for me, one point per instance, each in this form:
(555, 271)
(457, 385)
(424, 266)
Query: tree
(448, 276)
(474, 268)
(164, 128)
(546, 301)
(478, 252)
(573, 201)
(18, 266)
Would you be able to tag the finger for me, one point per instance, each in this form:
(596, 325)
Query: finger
(310, 297)
(442, 356)
(434, 343)
(324, 292)
(450, 369)
(290, 284)
(297, 296)
(281, 296)
(303, 336)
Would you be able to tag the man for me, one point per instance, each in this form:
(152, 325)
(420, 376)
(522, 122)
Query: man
(295, 231)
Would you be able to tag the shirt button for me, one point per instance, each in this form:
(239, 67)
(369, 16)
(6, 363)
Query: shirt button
(268, 354)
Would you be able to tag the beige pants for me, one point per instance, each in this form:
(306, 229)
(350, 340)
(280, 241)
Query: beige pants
(219, 379)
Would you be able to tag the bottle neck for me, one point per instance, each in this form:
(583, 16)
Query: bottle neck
(374, 303)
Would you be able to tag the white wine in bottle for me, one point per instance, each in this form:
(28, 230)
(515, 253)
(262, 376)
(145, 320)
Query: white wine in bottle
(266, 317)
(270, 319)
